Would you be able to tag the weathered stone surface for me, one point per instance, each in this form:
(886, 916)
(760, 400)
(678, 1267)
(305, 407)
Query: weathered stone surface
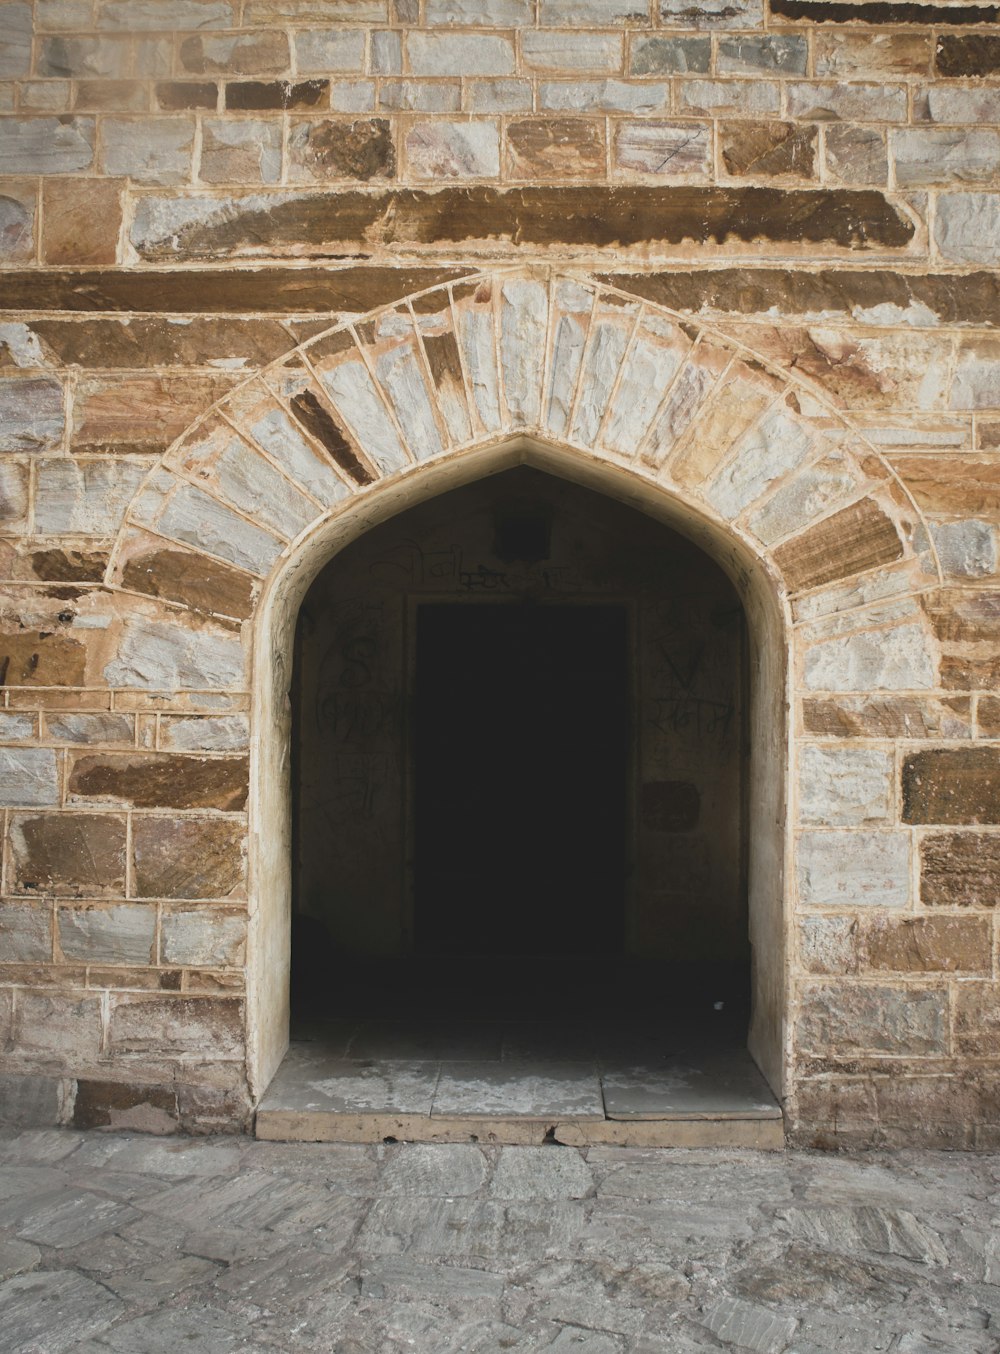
(182, 576)
(28, 776)
(651, 147)
(13, 497)
(81, 220)
(17, 223)
(926, 156)
(738, 98)
(421, 96)
(149, 780)
(123, 934)
(966, 549)
(203, 938)
(191, 228)
(952, 785)
(16, 728)
(85, 497)
(225, 462)
(98, 727)
(749, 1326)
(32, 416)
(776, 446)
(240, 152)
(465, 54)
(41, 659)
(328, 50)
(888, 717)
(182, 95)
(141, 412)
(552, 51)
(603, 96)
(46, 145)
(248, 53)
(711, 13)
(965, 54)
(547, 148)
(977, 375)
(847, 102)
(845, 787)
(328, 148)
(908, 1021)
(929, 945)
(25, 933)
(196, 518)
(977, 1020)
(453, 150)
(670, 56)
(889, 659)
(499, 96)
(357, 400)
(177, 1025)
(205, 733)
(188, 858)
(768, 149)
(856, 155)
(273, 94)
(68, 855)
(853, 869)
(967, 227)
(159, 656)
(856, 538)
(88, 1307)
(845, 54)
(149, 150)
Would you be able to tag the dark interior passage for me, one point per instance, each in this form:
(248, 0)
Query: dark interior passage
(518, 766)
(520, 778)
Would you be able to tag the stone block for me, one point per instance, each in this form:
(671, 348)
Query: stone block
(28, 777)
(224, 463)
(853, 869)
(363, 411)
(929, 945)
(976, 384)
(845, 787)
(159, 780)
(189, 858)
(960, 869)
(962, 105)
(569, 51)
(857, 155)
(204, 937)
(846, 102)
(888, 717)
(952, 785)
(555, 148)
(420, 96)
(97, 727)
(324, 51)
(148, 150)
(30, 1102)
(670, 56)
(747, 1325)
(241, 152)
(829, 945)
(198, 519)
(16, 728)
(386, 53)
(899, 658)
(15, 41)
(163, 657)
(977, 1020)
(857, 538)
(176, 1026)
(740, 98)
(17, 223)
(330, 148)
(965, 549)
(603, 96)
(13, 498)
(81, 221)
(459, 54)
(205, 733)
(967, 227)
(140, 412)
(78, 58)
(250, 53)
(652, 147)
(928, 156)
(768, 149)
(907, 1021)
(123, 934)
(58, 1027)
(988, 717)
(967, 54)
(711, 13)
(42, 659)
(166, 16)
(499, 96)
(492, 13)
(847, 54)
(776, 446)
(785, 54)
(453, 150)
(32, 413)
(68, 855)
(25, 933)
(85, 498)
(178, 96)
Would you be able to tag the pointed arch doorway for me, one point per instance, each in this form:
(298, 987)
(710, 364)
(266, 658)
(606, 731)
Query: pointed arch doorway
(520, 718)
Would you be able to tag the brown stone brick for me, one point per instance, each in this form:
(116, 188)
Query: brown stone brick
(929, 945)
(964, 54)
(70, 855)
(888, 716)
(177, 95)
(180, 575)
(337, 148)
(859, 537)
(157, 341)
(118, 1105)
(969, 674)
(988, 716)
(254, 94)
(160, 780)
(940, 1109)
(977, 1020)
(146, 411)
(81, 220)
(960, 869)
(188, 858)
(768, 149)
(964, 615)
(952, 785)
(37, 658)
(962, 484)
(556, 148)
(111, 96)
(61, 565)
(171, 1026)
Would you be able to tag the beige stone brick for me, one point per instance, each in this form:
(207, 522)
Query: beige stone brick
(64, 1029)
(453, 150)
(554, 148)
(82, 220)
(176, 1026)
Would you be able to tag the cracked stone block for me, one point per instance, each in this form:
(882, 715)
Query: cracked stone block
(663, 147)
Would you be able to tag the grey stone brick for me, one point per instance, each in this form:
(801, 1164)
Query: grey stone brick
(748, 55)
(854, 869)
(46, 145)
(25, 933)
(87, 498)
(323, 51)
(15, 41)
(122, 934)
(28, 776)
(149, 150)
(671, 56)
(967, 227)
(932, 155)
(460, 54)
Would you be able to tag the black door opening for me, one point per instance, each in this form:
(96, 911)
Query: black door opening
(521, 746)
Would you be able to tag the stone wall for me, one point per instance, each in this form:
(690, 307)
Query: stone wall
(264, 264)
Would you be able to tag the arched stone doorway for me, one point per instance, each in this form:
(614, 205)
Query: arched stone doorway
(519, 766)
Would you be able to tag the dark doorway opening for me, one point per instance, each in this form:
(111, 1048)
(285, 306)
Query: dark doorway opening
(521, 745)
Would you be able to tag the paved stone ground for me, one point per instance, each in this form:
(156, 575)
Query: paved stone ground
(135, 1244)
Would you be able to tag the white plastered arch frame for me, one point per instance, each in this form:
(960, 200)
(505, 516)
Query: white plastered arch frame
(585, 383)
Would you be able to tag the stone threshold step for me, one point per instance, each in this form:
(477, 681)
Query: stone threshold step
(285, 1125)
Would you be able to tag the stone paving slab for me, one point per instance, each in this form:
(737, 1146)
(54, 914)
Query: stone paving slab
(234, 1244)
